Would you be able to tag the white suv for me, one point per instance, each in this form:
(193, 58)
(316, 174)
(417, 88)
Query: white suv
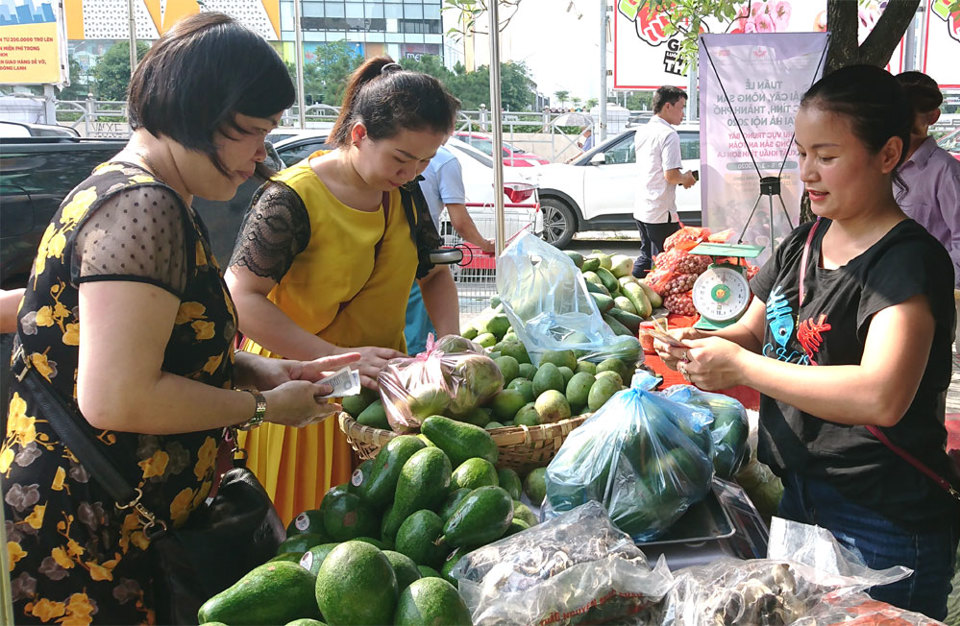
(596, 192)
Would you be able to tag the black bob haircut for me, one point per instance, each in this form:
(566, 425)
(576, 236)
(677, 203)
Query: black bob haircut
(199, 75)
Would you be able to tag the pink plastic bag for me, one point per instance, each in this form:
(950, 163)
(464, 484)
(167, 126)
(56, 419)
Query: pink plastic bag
(451, 377)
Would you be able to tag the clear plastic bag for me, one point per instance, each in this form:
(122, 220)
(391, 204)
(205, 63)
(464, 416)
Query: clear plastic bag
(805, 569)
(644, 457)
(545, 297)
(451, 377)
(859, 609)
(576, 568)
(728, 430)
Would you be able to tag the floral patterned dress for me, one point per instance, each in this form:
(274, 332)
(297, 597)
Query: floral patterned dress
(75, 557)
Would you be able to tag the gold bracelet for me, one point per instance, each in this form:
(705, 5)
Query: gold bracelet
(258, 414)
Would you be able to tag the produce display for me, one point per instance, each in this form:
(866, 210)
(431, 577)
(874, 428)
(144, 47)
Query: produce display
(494, 387)
(434, 529)
(381, 548)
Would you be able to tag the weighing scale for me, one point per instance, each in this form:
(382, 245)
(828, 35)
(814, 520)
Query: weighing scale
(722, 294)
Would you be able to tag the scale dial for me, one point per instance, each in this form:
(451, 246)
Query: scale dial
(721, 294)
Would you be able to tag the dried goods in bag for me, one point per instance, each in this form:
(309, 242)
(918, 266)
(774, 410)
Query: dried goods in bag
(574, 569)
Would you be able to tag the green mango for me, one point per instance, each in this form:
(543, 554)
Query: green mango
(379, 489)
(482, 517)
(374, 416)
(424, 483)
(460, 441)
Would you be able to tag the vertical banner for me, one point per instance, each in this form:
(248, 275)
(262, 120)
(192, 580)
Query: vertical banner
(756, 80)
(941, 43)
(32, 42)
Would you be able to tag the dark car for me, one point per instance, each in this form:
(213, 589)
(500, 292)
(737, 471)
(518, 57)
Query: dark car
(37, 173)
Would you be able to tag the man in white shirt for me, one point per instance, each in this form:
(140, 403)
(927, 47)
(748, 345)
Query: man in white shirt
(442, 186)
(657, 147)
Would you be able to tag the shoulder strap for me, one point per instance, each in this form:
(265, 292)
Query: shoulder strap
(803, 262)
(942, 482)
(64, 421)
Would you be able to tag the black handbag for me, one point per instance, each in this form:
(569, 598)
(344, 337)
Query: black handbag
(224, 538)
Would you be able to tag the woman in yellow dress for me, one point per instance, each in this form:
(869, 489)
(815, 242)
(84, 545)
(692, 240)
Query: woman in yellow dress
(327, 255)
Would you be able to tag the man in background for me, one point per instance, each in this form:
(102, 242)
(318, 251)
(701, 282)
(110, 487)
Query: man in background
(930, 194)
(657, 147)
(442, 186)
(585, 140)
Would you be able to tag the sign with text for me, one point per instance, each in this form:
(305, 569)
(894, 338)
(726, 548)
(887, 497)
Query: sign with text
(645, 57)
(750, 90)
(32, 49)
(941, 43)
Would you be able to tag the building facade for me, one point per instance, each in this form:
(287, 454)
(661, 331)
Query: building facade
(398, 28)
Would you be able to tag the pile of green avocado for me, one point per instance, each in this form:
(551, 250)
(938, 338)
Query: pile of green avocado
(526, 395)
(381, 548)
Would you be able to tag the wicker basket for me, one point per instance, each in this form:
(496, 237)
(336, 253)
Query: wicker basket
(521, 447)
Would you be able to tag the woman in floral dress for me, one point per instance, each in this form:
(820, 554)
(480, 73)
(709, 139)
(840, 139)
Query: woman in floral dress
(126, 316)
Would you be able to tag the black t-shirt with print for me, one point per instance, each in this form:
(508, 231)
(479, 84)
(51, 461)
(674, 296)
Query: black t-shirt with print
(831, 329)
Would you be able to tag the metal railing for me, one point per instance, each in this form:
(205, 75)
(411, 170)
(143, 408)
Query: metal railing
(532, 131)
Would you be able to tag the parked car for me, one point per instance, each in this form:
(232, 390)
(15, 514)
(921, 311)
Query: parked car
(596, 192)
(36, 174)
(512, 157)
(22, 129)
(521, 208)
(951, 143)
(477, 178)
(293, 145)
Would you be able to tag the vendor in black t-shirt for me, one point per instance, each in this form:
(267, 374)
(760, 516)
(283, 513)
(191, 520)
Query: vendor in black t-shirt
(865, 342)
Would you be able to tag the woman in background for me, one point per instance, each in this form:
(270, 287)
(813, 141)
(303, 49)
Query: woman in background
(848, 341)
(327, 255)
(127, 319)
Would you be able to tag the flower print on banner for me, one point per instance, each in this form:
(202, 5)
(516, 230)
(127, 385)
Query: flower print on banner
(51, 569)
(80, 609)
(762, 16)
(24, 586)
(22, 498)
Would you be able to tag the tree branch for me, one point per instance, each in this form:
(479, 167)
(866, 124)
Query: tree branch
(879, 45)
(842, 21)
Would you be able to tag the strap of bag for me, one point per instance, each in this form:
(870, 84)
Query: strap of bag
(912, 460)
(942, 482)
(385, 203)
(64, 421)
(803, 261)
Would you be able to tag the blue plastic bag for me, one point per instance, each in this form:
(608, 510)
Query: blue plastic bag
(545, 297)
(728, 430)
(644, 457)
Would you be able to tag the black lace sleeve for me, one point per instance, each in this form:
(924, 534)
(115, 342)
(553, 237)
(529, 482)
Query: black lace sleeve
(137, 234)
(275, 230)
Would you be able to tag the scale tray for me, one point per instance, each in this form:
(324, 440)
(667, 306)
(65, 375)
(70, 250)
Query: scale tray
(744, 250)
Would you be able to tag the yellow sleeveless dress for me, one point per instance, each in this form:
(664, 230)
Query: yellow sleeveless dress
(298, 465)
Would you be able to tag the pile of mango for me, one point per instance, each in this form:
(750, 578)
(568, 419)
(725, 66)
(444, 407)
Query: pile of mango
(623, 300)
(380, 548)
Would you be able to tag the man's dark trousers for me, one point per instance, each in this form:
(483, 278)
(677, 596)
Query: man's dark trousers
(651, 244)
